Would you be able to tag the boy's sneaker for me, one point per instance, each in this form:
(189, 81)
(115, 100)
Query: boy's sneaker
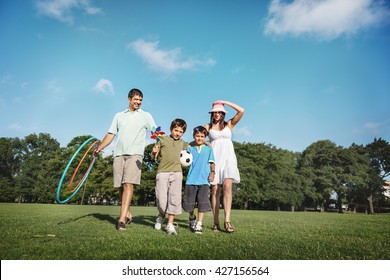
(171, 229)
(192, 223)
(198, 228)
(159, 222)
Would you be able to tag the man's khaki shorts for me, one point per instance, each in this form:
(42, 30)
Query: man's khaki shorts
(127, 169)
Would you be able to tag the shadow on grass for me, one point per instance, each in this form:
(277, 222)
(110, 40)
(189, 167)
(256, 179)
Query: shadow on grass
(73, 219)
(151, 220)
(102, 217)
(145, 220)
(142, 220)
(105, 217)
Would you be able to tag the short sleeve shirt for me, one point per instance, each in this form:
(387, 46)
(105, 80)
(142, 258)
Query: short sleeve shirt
(199, 171)
(130, 128)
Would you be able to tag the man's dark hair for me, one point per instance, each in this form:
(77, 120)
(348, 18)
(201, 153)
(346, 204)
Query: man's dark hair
(135, 92)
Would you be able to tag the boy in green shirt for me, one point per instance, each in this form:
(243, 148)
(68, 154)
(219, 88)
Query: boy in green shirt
(169, 175)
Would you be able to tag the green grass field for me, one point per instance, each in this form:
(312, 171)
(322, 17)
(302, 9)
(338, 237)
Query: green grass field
(74, 232)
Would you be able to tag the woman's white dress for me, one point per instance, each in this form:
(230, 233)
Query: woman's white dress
(225, 157)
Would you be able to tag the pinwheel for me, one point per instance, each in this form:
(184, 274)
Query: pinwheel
(156, 133)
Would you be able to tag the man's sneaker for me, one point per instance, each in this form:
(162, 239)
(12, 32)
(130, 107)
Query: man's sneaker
(171, 229)
(198, 228)
(159, 222)
(192, 223)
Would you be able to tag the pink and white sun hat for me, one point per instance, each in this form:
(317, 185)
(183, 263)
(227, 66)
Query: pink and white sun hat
(218, 107)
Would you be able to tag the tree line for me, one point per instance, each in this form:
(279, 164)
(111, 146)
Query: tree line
(323, 174)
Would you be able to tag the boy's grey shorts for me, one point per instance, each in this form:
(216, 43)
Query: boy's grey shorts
(168, 192)
(199, 194)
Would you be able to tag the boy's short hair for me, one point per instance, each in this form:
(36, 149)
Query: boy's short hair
(179, 123)
(200, 129)
(134, 92)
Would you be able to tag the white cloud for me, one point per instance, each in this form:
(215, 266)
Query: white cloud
(18, 128)
(236, 70)
(62, 10)
(374, 128)
(15, 126)
(104, 86)
(24, 85)
(11, 81)
(6, 79)
(86, 29)
(242, 131)
(166, 61)
(53, 86)
(332, 89)
(325, 19)
(265, 99)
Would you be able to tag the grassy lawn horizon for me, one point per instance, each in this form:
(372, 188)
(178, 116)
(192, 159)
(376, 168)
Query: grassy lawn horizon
(87, 232)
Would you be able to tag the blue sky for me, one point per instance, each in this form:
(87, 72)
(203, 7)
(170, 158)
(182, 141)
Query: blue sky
(304, 70)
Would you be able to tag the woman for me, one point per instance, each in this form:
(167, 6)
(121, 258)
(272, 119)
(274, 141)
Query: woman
(226, 171)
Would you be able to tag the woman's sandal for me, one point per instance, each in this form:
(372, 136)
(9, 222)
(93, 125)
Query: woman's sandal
(121, 226)
(128, 220)
(216, 227)
(228, 227)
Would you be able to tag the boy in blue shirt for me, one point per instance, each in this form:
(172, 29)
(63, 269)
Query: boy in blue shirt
(201, 173)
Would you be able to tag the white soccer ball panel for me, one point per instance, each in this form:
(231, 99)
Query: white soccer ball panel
(185, 158)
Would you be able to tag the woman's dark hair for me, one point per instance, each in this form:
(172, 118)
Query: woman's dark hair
(222, 123)
(179, 123)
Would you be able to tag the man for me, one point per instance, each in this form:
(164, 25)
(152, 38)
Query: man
(129, 127)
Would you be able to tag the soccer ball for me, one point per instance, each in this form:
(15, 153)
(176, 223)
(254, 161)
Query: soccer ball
(185, 158)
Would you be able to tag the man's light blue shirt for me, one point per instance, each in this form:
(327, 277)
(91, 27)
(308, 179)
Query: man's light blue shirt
(130, 128)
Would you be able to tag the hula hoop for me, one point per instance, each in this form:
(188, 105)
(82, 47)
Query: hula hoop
(78, 166)
(84, 176)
